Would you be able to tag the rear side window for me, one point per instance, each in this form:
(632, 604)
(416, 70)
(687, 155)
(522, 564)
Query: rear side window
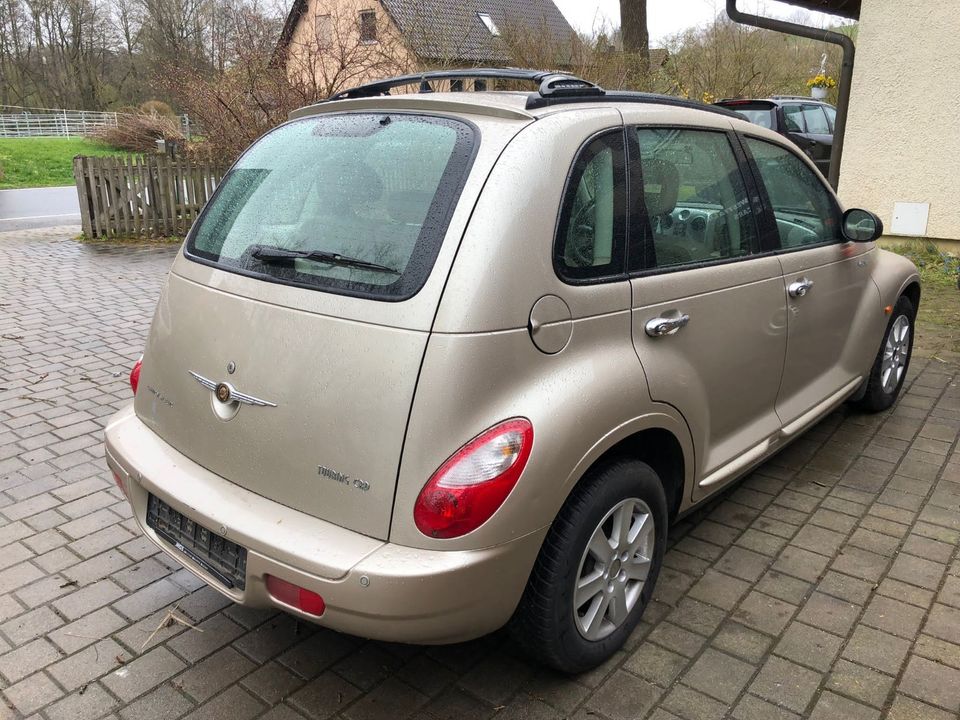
(694, 197)
(356, 204)
(793, 117)
(591, 234)
(815, 120)
(805, 212)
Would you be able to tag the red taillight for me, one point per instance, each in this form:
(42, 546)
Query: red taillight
(295, 596)
(470, 486)
(135, 375)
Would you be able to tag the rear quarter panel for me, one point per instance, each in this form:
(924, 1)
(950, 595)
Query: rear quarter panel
(481, 366)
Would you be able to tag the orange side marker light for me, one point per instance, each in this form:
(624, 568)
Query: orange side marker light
(888, 309)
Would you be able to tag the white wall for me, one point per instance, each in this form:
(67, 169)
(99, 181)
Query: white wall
(903, 130)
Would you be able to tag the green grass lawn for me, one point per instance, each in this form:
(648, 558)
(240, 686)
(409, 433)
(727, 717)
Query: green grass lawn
(43, 162)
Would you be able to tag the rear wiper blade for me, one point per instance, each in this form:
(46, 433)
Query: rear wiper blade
(268, 254)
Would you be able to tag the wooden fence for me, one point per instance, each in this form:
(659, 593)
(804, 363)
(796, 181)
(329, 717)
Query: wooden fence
(148, 196)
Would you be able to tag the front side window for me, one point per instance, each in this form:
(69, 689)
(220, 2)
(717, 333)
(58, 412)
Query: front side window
(805, 212)
(352, 203)
(591, 233)
(694, 198)
(368, 26)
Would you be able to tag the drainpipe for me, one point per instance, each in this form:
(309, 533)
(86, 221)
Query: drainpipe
(846, 70)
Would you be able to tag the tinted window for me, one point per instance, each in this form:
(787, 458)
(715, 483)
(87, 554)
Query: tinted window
(804, 209)
(815, 120)
(762, 117)
(793, 117)
(372, 187)
(591, 232)
(831, 116)
(694, 198)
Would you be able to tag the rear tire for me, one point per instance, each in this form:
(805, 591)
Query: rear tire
(611, 592)
(893, 360)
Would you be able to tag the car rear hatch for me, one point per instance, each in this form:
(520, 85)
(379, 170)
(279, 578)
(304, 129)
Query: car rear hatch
(286, 347)
(759, 112)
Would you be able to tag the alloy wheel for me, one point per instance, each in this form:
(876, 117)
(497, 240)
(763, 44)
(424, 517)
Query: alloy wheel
(614, 569)
(896, 352)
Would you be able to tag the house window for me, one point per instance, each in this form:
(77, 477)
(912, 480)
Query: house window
(324, 30)
(489, 23)
(368, 26)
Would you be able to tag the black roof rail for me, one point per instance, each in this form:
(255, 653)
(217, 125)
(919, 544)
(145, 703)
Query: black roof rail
(554, 88)
(627, 96)
(550, 83)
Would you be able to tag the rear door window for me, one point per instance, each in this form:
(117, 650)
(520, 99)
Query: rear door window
(793, 117)
(694, 198)
(356, 203)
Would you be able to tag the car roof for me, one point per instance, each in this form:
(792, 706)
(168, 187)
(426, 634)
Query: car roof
(556, 92)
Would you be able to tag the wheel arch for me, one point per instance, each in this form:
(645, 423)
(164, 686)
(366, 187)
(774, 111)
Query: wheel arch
(662, 441)
(912, 292)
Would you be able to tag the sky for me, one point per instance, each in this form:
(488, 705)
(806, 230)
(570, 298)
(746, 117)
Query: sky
(668, 17)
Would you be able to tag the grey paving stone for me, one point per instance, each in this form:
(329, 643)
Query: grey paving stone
(764, 613)
(876, 649)
(32, 693)
(207, 678)
(808, 646)
(860, 683)
(718, 675)
(786, 684)
(325, 696)
(932, 683)
(144, 673)
(831, 706)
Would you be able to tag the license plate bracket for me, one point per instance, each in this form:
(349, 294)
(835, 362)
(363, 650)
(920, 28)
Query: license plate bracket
(221, 558)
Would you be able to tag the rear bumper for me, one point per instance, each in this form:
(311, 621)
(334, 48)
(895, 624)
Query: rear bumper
(371, 588)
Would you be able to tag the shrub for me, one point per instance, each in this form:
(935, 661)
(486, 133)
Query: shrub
(157, 107)
(139, 132)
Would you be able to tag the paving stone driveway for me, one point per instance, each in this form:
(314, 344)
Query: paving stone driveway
(826, 585)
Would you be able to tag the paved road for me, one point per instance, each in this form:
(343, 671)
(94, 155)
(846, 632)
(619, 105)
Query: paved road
(827, 585)
(38, 208)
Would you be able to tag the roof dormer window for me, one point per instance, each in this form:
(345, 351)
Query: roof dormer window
(489, 23)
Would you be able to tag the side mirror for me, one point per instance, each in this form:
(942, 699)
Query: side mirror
(861, 225)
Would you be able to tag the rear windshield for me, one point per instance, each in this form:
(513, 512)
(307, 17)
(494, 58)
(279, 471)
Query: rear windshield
(356, 203)
(758, 116)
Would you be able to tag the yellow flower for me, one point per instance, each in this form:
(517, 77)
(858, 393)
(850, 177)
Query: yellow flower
(821, 81)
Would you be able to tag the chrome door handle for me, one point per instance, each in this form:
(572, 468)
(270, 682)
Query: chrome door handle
(799, 288)
(660, 326)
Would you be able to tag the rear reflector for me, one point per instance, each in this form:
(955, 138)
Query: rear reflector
(295, 596)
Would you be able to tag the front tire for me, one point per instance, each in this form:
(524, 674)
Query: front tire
(596, 570)
(892, 362)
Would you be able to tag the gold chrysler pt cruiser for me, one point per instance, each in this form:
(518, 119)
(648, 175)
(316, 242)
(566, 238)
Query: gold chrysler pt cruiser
(432, 362)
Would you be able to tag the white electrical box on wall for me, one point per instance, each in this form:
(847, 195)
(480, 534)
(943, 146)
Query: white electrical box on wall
(910, 218)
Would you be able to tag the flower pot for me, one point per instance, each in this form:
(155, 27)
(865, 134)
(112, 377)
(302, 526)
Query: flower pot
(818, 93)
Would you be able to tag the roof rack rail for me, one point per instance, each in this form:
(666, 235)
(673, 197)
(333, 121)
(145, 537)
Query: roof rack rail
(793, 97)
(628, 96)
(554, 88)
(551, 84)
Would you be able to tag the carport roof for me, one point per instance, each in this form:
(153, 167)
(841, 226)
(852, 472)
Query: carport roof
(845, 8)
